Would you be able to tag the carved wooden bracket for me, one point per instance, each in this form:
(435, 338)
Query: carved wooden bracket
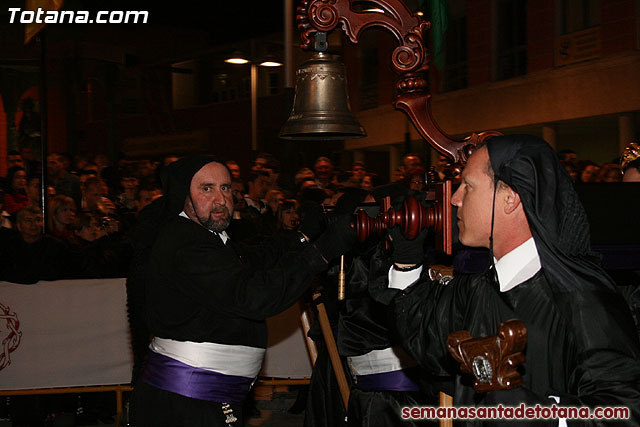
(492, 360)
(409, 59)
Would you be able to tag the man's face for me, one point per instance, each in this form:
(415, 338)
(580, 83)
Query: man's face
(237, 190)
(358, 172)
(411, 163)
(211, 201)
(92, 195)
(259, 164)
(474, 199)
(235, 170)
(129, 182)
(33, 189)
(323, 169)
(259, 187)
(30, 227)
(14, 160)
(54, 165)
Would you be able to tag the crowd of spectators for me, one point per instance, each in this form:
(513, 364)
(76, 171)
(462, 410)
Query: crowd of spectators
(587, 171)
(92, 206)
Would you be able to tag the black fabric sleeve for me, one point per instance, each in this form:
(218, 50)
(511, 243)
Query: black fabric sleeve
(218, 280)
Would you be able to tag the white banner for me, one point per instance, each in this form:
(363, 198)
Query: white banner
(287, 355)
(75, 333)
(63, 334)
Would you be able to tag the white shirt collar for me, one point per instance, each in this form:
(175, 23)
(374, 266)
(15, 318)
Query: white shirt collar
(519, 265)
(223, 234)
(260, 205)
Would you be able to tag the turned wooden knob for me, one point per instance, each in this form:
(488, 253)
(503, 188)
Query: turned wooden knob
(412, 218)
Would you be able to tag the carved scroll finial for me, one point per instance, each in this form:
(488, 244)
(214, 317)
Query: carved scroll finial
(492, 360)
(410, 59)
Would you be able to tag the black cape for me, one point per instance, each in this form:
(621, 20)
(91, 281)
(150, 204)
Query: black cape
(581, 346)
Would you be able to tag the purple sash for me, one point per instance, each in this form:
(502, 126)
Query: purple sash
(389, 381)
(169, 374)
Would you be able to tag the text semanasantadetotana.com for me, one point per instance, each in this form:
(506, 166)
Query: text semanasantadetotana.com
(522, 412)
(41, 16)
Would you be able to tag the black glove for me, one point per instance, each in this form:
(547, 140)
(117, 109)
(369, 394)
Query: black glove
(313, 220)
(338, 238)
(407, 251)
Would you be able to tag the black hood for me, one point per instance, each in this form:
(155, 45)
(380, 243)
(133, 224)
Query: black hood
(556, 216)
(176, 180)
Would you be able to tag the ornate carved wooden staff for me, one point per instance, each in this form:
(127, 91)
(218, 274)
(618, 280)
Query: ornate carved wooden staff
(492, 360)
(409, 60)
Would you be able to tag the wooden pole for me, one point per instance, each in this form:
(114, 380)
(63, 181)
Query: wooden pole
(341, 280)
(446, 401)
(332, 348)
(306, 325)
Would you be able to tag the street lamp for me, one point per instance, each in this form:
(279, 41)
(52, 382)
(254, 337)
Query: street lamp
(238, 58)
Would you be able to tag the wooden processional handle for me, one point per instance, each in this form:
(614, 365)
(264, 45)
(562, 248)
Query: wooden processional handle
(332, 348)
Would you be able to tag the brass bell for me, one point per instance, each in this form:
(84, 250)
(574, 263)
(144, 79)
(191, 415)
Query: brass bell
(321, 109)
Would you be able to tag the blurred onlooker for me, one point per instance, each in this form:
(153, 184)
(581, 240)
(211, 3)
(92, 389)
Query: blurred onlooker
(368, 182)
(96, 249)
(167, 160)
(16, 192)
(31, 164)
(62, 214)
(588, 172)
(571, 169)
(568, 156)
(34, 190)
(610, 172)
(303, 175)
(127, 199)
(258, 186)
(274, 170)
(443, 162)
(323, 170)
(5, 218)
(410, 163)
(359, 170)
(234, 168)
(147, 194)
(79, 163)
(398, 175)
(61, 180)
(273, 198)
(417, 179)
(288, 215)
(261, 161)
(27, 256)
(238, 191)
(86, 174)
(146, 172)
(14, 159)
(630, 163)
(86, 228)
(94, 198)
(29, 223)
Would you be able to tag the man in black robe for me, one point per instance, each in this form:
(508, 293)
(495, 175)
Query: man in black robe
(381, 376)
(205, 300)
(516, 199)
